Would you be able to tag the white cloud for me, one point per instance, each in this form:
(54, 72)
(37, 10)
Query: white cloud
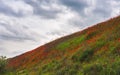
(15, 8)
(19, 6)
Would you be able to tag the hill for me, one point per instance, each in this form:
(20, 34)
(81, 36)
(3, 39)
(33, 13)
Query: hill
(93, 51)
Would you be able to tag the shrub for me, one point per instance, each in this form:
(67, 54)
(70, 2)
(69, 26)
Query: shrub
(90, 35)
(82, 56)
(92, 69)
(67, 70)
(115, 48)
(85, 55)
(3, 63)
(102, 68)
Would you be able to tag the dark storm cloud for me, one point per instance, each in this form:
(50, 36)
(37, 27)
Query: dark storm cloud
(45, 13)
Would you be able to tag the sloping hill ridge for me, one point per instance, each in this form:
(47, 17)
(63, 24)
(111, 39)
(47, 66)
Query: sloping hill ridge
(93, 51)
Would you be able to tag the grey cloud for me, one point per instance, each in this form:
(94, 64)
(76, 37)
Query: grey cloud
(38, 10)
(76, 5)
(55, 32)
(103, 8)
(9, 11)
(14, 33)
(5, 9)
(50, 14)
(116, 0)
(3, 51)
(8, 53)
(13, 38)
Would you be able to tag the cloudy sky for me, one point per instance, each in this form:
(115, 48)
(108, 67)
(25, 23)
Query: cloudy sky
(27, 24)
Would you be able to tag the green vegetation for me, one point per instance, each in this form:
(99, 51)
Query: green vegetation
(102, 69)
(82, 56)
(70, 43)
(91, 35)
(3, 63)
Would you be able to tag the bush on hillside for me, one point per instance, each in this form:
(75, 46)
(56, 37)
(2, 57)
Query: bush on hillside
(3, 63)
(83, 55)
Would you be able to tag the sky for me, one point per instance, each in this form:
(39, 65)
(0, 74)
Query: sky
(27, 24)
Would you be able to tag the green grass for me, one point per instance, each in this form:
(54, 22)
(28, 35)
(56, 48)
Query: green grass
(71, 43)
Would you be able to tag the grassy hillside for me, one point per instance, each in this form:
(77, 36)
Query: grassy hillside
(93, 51)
